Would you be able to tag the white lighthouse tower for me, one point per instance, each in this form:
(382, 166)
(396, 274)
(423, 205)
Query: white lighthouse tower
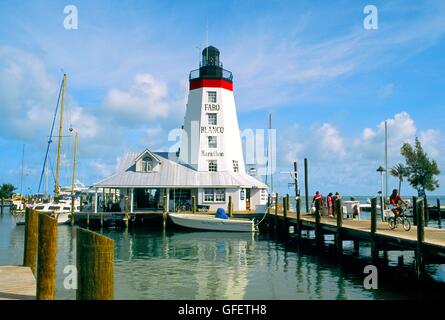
(209, 168)
(211, 138)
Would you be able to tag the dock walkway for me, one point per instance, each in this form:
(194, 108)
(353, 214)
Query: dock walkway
(352, 229)
(17, 283)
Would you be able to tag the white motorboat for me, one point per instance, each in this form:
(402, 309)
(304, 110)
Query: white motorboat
(209, 222)
(60, 210)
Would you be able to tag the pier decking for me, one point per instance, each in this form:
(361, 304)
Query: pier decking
(433, 245)
(17, 283)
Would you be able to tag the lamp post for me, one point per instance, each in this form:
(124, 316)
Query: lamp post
(381, 170)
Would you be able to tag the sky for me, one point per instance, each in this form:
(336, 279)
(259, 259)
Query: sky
(329, 83)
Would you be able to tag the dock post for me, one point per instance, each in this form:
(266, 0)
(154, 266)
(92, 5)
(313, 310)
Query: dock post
(298, 217)
(374, 251)
(338, 235)
(426, 216)
(276, 212)
(46, 258)
(3, 203)
(31, 239)
(420, 239)
(439, 221)
(287, 203)
(306, 188)
(101, 219)
(285, 210)
(230, 209)
(193, 204)
(318, 235)
(88, 218)
(95, 266)
(415, 211)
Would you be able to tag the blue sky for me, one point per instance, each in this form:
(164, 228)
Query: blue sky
(328, 82)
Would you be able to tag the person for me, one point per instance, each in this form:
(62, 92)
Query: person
(317, 196)
(395, 200)
(336, 197)
(330, 205)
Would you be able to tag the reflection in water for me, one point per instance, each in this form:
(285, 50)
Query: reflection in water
(160, 264)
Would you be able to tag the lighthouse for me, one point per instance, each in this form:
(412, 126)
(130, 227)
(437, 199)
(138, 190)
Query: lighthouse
(211, 138)
(208, 170)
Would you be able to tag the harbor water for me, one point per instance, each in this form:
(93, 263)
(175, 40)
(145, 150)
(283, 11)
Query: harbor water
(152, 263)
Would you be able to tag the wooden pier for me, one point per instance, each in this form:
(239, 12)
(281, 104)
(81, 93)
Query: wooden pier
(17, 283)
(427, 243)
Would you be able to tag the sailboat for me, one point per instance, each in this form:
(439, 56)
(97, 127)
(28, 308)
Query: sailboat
(64, 204)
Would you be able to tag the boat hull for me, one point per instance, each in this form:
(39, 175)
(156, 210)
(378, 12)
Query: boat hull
(207, 222)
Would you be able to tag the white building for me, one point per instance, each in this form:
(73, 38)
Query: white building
(209, 164)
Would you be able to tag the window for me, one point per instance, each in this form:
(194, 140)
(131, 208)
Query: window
(211, 96)
(214, 195)
(235, 166)
(213, 166)
(211, 119)
(220, 195)
(212, 141)
(242, 195)
(209, 195)
(147, 164)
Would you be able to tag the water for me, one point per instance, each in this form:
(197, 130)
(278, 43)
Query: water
(155, 264)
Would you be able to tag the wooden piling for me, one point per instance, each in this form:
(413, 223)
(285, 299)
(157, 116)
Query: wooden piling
(287, 203)
(46, 258)
(374, 251)
(193, 204)
(338, 207)
(3, 204)
(31, 239)
(276, 213)
(230, 209)
(439, 220)
(298, 200)
(95, 266)
(306, 187)
(420, 239)
(285, 210)
(101, 219)
(318, 234)
(426, 216)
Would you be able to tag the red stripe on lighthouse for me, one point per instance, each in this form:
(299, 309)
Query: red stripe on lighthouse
(211, 83)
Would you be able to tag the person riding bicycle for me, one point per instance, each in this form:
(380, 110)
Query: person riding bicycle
(395, 200)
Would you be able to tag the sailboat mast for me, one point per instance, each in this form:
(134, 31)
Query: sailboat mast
(74, 177)
(57, 188)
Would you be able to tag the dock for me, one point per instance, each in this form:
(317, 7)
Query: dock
(398, 239)
(17, 283)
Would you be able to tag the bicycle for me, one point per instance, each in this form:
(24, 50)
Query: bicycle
(401, 219)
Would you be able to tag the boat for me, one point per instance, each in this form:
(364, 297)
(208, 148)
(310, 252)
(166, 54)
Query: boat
(60, 210)
(209, 222)
(64, 203)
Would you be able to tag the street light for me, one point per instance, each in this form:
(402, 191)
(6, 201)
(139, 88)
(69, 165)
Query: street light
(381, 170)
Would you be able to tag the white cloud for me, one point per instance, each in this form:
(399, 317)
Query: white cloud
(430, 141)
(370, 145)
(146, 99)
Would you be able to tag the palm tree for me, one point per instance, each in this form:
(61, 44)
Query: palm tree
(399, 171)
